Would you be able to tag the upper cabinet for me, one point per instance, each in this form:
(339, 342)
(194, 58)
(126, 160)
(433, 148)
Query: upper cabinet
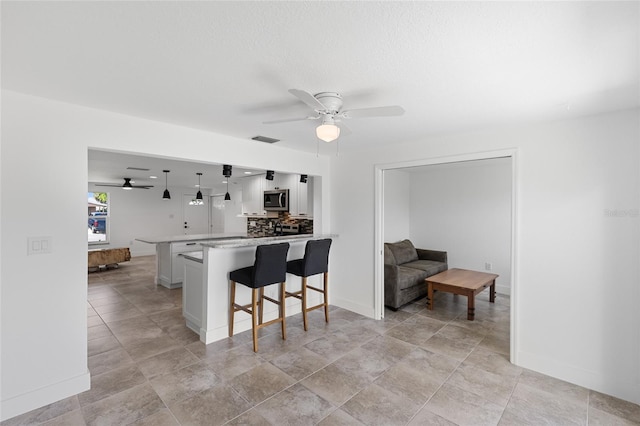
(279, 181)
(300, 194)
(304, 202)
(252, 196)
(299, 199)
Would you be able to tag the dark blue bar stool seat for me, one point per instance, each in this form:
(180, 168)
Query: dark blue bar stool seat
(315, 261)
(270, 267)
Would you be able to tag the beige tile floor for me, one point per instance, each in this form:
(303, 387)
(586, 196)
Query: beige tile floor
(415, 367)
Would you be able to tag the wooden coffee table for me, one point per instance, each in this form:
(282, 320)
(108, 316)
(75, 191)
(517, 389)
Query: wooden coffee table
(463, 282)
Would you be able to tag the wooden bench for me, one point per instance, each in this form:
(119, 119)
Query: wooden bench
(108, 257)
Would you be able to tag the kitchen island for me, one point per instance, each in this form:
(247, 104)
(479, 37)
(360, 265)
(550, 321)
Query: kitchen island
(206, 283)
(169, 269)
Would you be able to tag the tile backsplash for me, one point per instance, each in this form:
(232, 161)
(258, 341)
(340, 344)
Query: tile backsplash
(264, 226)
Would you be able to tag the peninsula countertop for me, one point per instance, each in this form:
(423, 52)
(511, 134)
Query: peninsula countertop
(191, 238)
(249, 242)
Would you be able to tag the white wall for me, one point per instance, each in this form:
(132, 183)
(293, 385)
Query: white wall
(43, 300)
(464, 208)
(397, 185)
(577, 241)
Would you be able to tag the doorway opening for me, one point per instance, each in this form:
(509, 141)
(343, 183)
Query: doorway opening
(385, 226)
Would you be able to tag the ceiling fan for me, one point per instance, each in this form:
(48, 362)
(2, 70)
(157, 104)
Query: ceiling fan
(328, 108)
(125, 185)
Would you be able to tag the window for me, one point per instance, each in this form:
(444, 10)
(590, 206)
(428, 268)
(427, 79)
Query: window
(98, 221)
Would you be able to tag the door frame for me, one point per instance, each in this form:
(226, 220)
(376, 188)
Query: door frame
(379, 170)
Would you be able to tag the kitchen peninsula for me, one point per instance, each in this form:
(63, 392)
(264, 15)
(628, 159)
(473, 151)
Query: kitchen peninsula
(169, 269)
(206, 283)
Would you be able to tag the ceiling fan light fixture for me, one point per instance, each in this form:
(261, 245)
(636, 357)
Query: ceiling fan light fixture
(127, 184)
(327, 131)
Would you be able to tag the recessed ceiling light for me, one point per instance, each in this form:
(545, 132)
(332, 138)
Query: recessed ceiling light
(224, 181)
(153, 177)
(247, 173)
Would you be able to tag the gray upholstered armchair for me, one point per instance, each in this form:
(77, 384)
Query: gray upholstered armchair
(405, 269)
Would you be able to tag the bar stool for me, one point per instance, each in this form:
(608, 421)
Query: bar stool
(270, 267)
(315, 261)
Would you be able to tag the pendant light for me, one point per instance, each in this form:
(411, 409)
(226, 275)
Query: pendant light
(226, 172)
(199, 194)
(166, 195)
(198, 200)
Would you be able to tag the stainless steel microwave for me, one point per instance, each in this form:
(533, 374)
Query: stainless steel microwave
(276, 200)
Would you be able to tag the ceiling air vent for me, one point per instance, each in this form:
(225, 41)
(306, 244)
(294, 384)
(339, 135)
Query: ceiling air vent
(265, 139)
(138, 168)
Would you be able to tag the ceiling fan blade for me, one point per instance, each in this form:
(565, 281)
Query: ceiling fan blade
(109, 184)
(308, 99)
(385, 111)
(141, 187)
(286, 120)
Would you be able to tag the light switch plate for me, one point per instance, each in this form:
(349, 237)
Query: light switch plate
(39, 245)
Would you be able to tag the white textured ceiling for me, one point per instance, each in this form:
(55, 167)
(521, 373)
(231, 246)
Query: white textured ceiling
(227, 66)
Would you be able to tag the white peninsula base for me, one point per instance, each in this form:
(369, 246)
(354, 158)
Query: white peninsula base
(206, 285)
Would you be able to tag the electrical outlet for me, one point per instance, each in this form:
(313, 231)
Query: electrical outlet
(487, 266)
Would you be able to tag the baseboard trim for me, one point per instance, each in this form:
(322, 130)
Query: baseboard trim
(26, 402)
(367, 311)
(618, 387)
(503, 289)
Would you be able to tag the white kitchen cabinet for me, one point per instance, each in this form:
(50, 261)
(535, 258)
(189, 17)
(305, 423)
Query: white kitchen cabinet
(192, 293)
(252, 195)
(299, 196)
(305, 198)
(170, 268)
(279, 181)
